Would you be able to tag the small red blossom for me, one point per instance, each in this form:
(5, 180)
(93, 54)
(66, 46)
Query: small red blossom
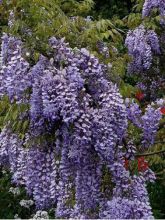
(142, 164)
(162, 110)
(139, 95)
(126, 164)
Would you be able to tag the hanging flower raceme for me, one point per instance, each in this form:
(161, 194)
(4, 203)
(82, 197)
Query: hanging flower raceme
(150, 124)
(142, 44)
(40, 176)
(77, 123)
(147, 122)
(149, 5)
(134, 113)
(15, 76)
(130, 197)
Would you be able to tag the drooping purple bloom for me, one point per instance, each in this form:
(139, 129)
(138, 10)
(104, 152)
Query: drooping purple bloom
(77, 123)
(149, 5)
(141, 44)
(15, 77)
(150, 123)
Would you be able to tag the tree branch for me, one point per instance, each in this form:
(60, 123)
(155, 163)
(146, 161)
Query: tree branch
(150, 154)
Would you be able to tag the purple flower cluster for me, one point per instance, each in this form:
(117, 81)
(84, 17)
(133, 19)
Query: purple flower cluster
(147, 122)
(123, 208)
(130, 197)
(35, 168)
(150, 124)
(10, 149)
(15, 77)
(151, 84)
(40, 176)
(149, 5)
(141, 44)
(103, 49)
(83, 119)
(134, 113)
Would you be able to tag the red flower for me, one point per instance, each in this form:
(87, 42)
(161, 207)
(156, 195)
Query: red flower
(162, 110)
(139, 95)
(142, 164)
(126, 164)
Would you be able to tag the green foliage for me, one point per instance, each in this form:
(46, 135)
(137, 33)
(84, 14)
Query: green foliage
(110, 8)
(9, 203)
(11, 114)
(157, 195)
(36, 21)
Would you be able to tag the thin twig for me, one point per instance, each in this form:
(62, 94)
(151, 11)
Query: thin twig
(150, 154)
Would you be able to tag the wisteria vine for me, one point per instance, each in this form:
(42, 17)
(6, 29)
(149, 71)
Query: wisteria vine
(83, 120)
